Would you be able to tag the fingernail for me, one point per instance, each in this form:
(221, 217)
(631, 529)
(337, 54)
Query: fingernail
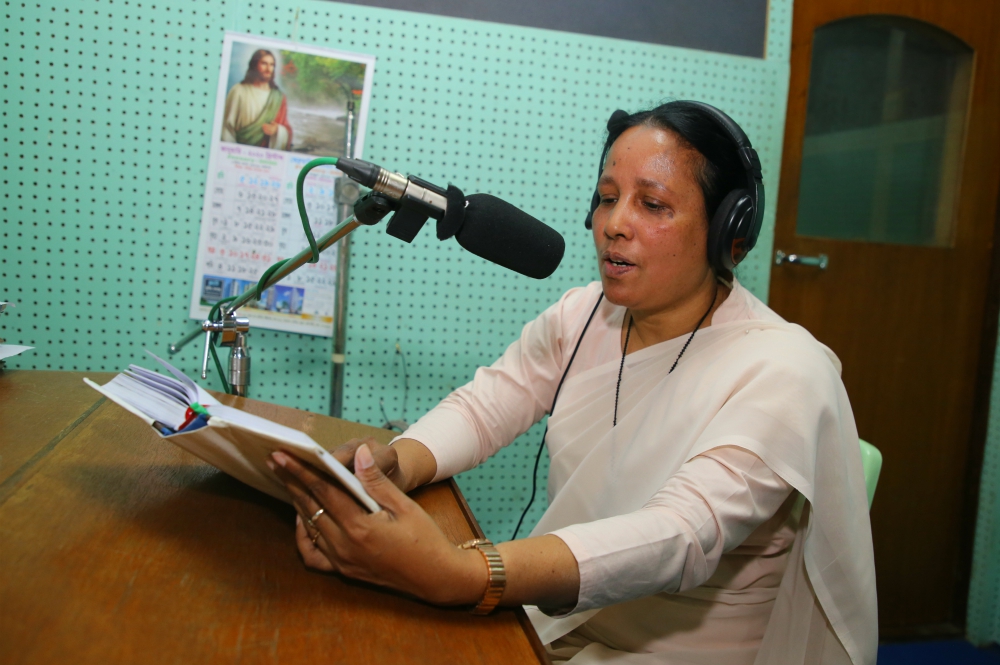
(363, 458)
(270, 464)
(280, 458)
(298, 519)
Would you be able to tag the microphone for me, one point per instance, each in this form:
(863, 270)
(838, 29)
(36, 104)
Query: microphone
(503, 234)
(395, 185)
(488, 227)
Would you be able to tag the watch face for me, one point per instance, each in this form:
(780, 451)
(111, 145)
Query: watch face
(469, 544)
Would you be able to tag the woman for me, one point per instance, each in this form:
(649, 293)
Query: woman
(689, 420)
(256, 110)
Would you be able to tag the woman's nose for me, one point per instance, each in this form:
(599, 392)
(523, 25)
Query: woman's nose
(619, 222)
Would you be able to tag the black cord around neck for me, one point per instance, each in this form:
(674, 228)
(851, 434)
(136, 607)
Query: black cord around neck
(541, 447)
(628, 332)
(618, 386)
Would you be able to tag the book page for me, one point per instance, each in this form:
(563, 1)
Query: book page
(159, 383)
(256, 438)
(147, 400)
(190, 387)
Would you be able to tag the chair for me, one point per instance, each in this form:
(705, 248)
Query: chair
(871, 461)
(871, 464)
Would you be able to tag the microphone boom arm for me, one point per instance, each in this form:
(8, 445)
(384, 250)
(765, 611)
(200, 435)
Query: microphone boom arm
(413, 201)
(291, 265)
(369, 210)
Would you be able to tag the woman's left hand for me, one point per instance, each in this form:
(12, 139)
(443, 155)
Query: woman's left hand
(399, 547)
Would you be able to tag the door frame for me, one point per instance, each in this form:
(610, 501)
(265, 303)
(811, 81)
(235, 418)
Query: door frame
(979, 431)
(786, 205)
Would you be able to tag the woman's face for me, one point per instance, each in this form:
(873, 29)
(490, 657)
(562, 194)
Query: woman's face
(650, 228)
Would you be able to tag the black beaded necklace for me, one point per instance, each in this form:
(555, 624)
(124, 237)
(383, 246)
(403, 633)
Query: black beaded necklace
(628, 333)
(541, 447)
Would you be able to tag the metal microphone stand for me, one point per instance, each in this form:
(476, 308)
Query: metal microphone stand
(346, 193)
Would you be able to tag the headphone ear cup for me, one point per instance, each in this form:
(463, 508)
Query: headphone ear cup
(728, 231)
(594, 202)
(741, 243)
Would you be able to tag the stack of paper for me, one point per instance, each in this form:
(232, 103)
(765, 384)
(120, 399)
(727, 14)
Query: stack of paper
(9, 350)
(165, 400)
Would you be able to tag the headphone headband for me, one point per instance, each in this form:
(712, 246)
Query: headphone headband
(726, 123)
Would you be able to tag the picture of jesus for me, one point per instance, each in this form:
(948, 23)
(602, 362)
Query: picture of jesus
(256, 110)
(287, 99)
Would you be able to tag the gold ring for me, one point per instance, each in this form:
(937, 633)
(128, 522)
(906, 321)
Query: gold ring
(309, 520)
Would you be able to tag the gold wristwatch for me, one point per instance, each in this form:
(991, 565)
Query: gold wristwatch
(497, 575)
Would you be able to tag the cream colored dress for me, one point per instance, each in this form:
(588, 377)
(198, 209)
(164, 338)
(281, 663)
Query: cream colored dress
(680, 516)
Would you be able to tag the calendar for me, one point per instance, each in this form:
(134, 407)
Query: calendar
(279, 106)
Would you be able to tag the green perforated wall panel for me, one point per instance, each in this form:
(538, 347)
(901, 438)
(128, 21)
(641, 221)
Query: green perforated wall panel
(106, 118)
(984, 589)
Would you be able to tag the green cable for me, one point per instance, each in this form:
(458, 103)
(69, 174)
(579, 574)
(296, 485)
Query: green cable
(258, 291)
(300, 200)
(218, 368)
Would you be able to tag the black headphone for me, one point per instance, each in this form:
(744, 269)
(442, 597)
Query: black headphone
(733, 230)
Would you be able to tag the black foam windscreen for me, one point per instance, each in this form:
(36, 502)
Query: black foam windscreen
(503, 234)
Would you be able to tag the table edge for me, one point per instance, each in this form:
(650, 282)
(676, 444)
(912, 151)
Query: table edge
(522, 617)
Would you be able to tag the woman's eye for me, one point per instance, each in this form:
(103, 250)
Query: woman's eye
(654, 205)
(607, 200)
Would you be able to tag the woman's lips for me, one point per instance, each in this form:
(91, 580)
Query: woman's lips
(617, 267)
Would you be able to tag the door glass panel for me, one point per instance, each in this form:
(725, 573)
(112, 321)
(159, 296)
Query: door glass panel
(885, 123)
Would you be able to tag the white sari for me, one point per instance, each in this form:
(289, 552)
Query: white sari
(749, 383)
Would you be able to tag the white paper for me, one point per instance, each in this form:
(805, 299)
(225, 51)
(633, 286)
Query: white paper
(167, 385)
(270, 436)
(190, 388)
(9, 350)
(148, 400)
(119, 401)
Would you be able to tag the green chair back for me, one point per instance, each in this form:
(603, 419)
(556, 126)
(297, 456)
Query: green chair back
(871, 461)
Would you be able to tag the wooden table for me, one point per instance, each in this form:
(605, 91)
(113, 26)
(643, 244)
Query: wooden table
(117, 547)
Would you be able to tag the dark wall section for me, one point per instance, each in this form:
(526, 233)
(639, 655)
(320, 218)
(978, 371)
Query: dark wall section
(725, 26)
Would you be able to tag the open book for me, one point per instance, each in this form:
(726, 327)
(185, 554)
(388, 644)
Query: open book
(233, 441)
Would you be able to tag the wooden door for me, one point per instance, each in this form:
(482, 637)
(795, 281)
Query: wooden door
(903, 204)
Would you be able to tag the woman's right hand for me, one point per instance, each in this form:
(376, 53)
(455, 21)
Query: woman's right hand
(385, 458)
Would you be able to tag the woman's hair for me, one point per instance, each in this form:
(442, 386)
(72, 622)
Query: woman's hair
(252, 75)
(721, 170)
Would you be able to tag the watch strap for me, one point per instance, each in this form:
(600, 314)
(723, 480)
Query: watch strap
(497, 580)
